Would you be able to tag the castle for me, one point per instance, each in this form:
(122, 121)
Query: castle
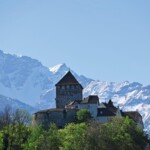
(69, 100)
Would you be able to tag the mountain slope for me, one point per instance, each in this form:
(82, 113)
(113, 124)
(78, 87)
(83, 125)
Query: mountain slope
(28, 80)
(23, 78)
(128, 96)
(14, 104)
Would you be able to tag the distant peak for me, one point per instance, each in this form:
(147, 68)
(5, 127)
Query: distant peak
(6, 53)
(59, 67)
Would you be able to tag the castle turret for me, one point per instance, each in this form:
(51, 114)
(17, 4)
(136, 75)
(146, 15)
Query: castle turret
(68, 89)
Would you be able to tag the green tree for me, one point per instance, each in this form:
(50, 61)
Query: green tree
(14, 137)
(14, 131)
(41, 139)
(119, 134)
(72, 136)
(32, 140)
(83, 115)
(92, 136)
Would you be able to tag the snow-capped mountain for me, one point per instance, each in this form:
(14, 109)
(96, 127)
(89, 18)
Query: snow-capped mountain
(27, 80)
(128, 96)
(23, 78)
(14, 104)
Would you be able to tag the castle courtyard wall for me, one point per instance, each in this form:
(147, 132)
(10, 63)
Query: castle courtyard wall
(59, 117)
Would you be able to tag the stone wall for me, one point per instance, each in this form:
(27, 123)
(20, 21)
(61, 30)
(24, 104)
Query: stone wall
(66, 94)
(58, 116)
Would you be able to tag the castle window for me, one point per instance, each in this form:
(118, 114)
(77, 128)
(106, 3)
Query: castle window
(68, 86)
(77, 87)
(63, 87)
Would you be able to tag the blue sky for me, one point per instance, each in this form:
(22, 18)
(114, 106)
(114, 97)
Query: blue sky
(107, 40)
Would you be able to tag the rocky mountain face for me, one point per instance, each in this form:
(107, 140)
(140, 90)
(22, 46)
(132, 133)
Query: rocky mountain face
(27, 80)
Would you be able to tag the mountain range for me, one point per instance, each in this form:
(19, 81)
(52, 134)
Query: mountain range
(25, 83)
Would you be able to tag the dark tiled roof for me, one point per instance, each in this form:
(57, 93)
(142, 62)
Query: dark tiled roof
(92, 99)
(110, 106)
(68, 79)
(104, 112)
(133, 115)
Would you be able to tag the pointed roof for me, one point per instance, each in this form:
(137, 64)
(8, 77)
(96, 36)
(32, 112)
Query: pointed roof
(110, 106)
(135, 115)
(68, 79)
(91, 99)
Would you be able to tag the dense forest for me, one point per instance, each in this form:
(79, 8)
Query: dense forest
(17, 133)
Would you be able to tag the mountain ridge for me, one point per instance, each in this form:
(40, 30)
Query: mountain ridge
(32, 83)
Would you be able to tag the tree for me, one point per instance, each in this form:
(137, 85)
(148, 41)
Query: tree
(83, 115)
(17, 116)
(72, 136)
(119, 134)
(14, 129)
(42, 139)
(21, 117)
(13, 137)
(6, 117)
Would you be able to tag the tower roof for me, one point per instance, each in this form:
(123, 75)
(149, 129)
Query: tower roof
(91, 99)
(68, 79)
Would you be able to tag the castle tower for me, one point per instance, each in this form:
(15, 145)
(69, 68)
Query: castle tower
(68, 89)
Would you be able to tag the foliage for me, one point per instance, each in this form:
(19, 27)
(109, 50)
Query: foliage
(14, 130)
(83, 115)
(119, 134)
(14, 137)
(41, 139)
(72, 136)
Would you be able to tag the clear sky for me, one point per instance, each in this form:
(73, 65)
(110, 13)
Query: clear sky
(107, 40)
